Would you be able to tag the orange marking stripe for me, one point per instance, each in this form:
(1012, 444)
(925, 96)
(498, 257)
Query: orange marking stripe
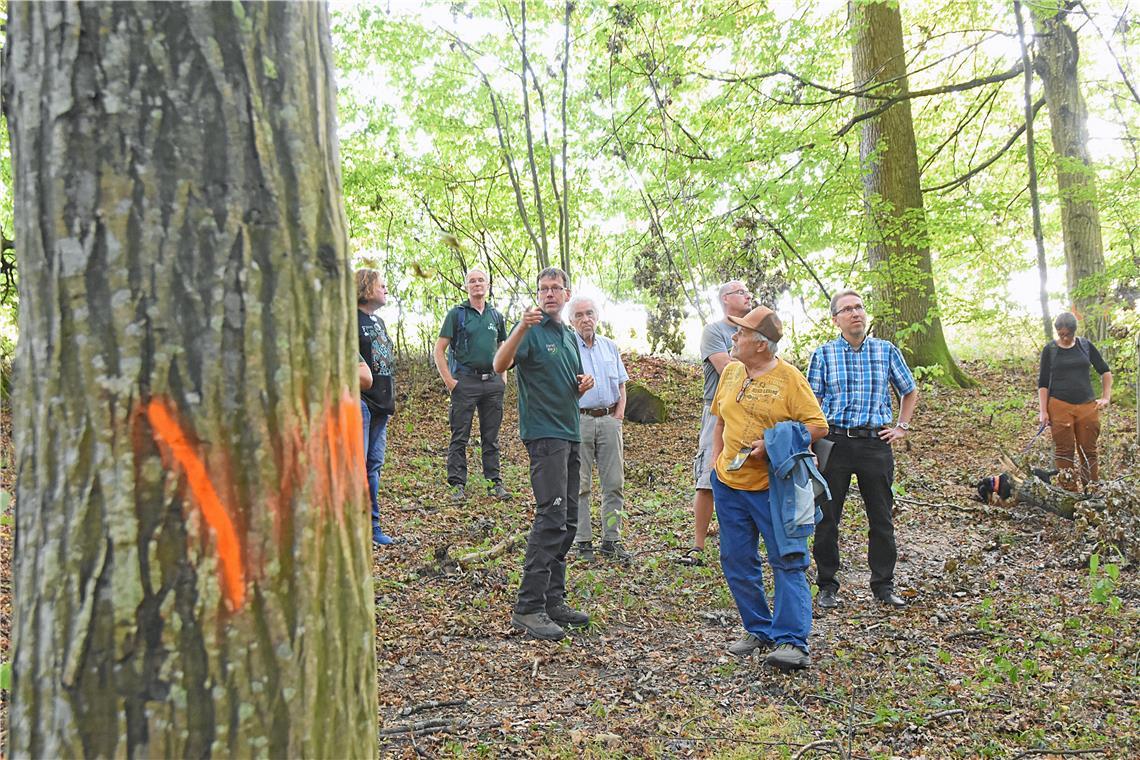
(166, 427)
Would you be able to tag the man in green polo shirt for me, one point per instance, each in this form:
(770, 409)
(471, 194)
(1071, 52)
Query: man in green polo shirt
(544, 352)
(472, 331)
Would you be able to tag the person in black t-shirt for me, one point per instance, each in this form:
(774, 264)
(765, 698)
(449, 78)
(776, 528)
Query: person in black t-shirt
(377, 402)
(1066, 400)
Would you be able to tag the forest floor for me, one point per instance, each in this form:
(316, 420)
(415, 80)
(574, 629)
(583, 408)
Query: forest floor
(1008, 646)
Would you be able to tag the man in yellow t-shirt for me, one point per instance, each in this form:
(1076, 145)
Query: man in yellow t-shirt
(757, 391)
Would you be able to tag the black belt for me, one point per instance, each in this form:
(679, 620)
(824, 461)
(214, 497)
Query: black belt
(859, 432)
(601, 411)
(477, 373)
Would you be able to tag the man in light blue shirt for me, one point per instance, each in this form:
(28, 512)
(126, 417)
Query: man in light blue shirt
(601, 410)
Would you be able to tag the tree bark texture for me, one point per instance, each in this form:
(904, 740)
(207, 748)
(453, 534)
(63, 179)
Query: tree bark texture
(192, 567)
(1056, 63)
(899, 249)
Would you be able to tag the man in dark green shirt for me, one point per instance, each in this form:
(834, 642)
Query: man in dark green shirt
(549, 369)
(472, 331)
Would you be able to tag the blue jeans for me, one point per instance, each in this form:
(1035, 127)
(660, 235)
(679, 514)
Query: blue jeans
(744, 516)
(375, 444)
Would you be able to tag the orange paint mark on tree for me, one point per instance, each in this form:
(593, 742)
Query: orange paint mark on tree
(337, 451)
(169, 432)
(352, 431)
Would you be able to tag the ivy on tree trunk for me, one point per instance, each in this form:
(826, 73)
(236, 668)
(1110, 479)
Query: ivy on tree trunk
(192, 567)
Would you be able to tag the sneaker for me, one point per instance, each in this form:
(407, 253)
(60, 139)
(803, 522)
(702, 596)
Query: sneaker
(826, 599)
(499, 492)
(787, 657)
(747, 645)
(585, 549)
(564, 614)
(613, 550)
(381, 539)
(458, 495)
(539, 625)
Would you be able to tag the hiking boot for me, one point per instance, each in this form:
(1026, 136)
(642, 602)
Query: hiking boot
(747, 645)
(888, 597)
(613, 550)
(826, 599)
(458, 495)
(585, 550)
(564, 614)
(499, 492)
(380, 538)
(787, 657)
(539, 625)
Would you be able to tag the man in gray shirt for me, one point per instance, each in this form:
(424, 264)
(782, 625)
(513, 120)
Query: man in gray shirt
(716, 344)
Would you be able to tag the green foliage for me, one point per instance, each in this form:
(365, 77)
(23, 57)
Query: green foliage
(1103, 580)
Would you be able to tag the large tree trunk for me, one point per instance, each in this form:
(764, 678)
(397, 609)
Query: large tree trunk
(1076, 179)
(899, 249)
(192, 567)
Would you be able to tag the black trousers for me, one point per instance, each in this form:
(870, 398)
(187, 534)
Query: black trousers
(469, 395)
(554, 476)
(872, 462)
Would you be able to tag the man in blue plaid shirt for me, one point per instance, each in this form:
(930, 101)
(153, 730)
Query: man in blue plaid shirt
(852, 377)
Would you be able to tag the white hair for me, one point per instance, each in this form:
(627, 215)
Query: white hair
(576, 300)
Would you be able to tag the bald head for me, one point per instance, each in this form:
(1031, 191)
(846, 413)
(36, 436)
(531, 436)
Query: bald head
(735, 298)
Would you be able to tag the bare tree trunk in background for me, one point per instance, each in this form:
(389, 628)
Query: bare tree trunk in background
(1056, 63)
(899, 251)
(1031, 162)
(192, 565)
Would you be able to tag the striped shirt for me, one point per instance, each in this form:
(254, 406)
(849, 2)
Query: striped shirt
(853, 386)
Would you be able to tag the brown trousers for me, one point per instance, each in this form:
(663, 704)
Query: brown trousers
(1075, 429)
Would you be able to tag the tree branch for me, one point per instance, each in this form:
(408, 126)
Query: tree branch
(1010, 73)
(982, 166)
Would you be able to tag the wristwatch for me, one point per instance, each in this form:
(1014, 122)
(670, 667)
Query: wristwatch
(903, 425)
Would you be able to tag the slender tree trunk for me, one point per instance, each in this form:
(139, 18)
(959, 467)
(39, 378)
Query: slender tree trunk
(1031, 161)
(1057, 58)
(564, 211)
(899, 251)
(192, 569)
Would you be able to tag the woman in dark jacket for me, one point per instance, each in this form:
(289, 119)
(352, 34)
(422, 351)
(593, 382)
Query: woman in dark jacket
(1066, 399)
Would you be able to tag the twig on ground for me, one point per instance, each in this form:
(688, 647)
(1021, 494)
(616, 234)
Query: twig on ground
(1048, 751)
(823, 745)
(397, 733)
(430, 705)
(422, 726)
(497, 550)
(946, 714)
(946, 504)
(717, 738)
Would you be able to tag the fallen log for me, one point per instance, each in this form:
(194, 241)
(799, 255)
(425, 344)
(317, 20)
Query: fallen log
(497, 550)
(1031, 490)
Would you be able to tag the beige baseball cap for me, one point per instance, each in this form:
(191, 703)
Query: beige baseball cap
(764, 321)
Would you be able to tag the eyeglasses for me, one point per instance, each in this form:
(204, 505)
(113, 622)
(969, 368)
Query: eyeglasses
(741, 292)
(856, 309)
(555, 289)
(743, 388)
